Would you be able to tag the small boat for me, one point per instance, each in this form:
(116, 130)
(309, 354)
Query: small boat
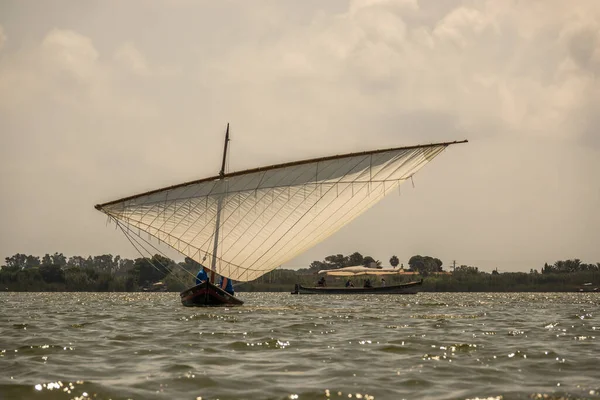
(206, 295)
(155, 287)
(587, 287)
(405, 288)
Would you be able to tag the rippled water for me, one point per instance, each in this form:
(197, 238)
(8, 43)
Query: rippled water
(279, 346)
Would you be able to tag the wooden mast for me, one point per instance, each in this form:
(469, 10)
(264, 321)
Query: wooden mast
(222, 172)
(219, 206)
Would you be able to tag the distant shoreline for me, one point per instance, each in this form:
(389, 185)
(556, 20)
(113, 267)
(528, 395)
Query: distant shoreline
(429, 286)
(107, 273)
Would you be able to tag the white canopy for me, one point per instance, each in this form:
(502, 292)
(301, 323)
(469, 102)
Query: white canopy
(361, 270)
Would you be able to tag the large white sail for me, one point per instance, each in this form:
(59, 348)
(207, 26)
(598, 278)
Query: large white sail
(268, 215)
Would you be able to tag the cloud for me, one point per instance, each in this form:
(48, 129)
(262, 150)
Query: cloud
(71, 52)
(460, 25)
(131, 58)
(582, 40)
(128, 57)
(66, 68)
(487, 65)
(402, 5)
(303, 79)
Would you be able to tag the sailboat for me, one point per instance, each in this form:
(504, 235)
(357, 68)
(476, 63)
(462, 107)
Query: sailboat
(247, 223)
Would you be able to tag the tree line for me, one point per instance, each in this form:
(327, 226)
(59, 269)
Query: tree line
(104, 273)
(56, 272)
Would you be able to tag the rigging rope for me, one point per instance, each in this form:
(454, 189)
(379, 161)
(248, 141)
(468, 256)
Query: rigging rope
(149, 259)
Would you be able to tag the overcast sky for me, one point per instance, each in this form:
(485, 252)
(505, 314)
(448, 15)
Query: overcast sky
(104, 99)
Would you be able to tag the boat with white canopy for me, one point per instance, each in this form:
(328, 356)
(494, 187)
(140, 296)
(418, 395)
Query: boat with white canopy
(360, 270)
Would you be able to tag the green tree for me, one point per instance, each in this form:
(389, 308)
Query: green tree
(46, 260)
(58, 259)
(368, 261)
(16, 262)
(568, 266)
(125, 265)
(76, 261)
(340, 261)
(148, 271)
(52, 273)
(466, 269)
(179, 279)
(76, 279)
(20, 261)
(336, 261)
(425, 264)
(105, 263)
(316, 266)
(190, 265)
(547, 269)
(394, 261)
(355, 259)
(32, 262)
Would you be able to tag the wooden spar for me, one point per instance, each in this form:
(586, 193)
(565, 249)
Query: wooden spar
(222, 172)
(219, 206)
(267, 168)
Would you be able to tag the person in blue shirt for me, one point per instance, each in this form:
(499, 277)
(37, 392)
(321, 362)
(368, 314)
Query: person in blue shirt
(201, 277)
(226, 285)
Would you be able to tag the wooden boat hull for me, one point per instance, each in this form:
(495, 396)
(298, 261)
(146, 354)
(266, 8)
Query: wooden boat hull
(208, 295)
(406, 288)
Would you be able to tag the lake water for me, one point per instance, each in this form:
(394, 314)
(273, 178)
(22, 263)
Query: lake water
(280, 346)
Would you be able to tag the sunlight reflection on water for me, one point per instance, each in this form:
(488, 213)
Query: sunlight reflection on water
(279, 346)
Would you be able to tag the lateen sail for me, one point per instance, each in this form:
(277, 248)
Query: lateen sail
(268, 215)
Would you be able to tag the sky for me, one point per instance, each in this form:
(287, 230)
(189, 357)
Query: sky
(105, 99)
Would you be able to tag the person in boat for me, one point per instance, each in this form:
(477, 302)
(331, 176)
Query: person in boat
(321, 282)
(226, 285)
(349, 283)
(382, 282)
(367, 283)
(201, 276)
